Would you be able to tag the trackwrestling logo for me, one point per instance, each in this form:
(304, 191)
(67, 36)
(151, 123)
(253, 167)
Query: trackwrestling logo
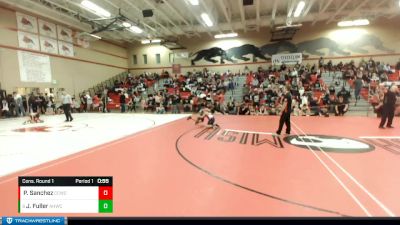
(33, 220)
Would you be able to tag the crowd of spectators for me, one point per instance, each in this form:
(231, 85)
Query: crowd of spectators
(16, 105)
(151, 92)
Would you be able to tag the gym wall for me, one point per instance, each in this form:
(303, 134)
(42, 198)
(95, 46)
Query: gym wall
(88, 66)
(380, 40)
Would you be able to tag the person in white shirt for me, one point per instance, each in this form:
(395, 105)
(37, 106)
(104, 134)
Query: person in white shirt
(209, 113)
(19, 107)
(89, 102)
(67, 101)
(4, 108)
(386, 68)
(304, 100)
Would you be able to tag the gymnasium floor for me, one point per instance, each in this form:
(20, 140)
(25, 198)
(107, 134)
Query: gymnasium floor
(164, 165)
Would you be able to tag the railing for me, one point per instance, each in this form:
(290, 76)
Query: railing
(107, 83)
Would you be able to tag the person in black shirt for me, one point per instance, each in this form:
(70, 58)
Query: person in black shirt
(341, 106)
(32, 103)
(389, 106)
(345, 94)
(285, 113)
(244, 109)
(398, 65)
(122, 101)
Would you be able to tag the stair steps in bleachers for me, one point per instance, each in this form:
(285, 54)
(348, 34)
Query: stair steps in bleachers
(239, 90)
(361, 108)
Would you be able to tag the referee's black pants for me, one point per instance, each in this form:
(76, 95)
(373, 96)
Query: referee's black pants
(67, 112)
(285, 119)
(387, 114)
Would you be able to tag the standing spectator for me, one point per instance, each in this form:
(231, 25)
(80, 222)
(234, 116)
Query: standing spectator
(67, 101)
(398, 67)
(358, 83)
(46, 99)
(83, 102)
(130, 105)
(52, 103)
(42, 104)
(32, 103)
(89, 102)
(4, 108)
(321, 62)
(122, 100)
(96, 103)
(75, 106)
(104, 100)
(136, 101)
(389, 106)
(19, 107)
(11, 105)
(175, 103)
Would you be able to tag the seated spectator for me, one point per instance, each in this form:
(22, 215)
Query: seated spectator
(231, 107)
(187, 107)
(314, 107)
(304, 110)
(75, 106)
(273, 110)
(96, 102)
(263, 110)
(244, 109)
(160, 109)
(252, 110)
(344, 93)
(330, 102)
(130, 105)
(296, 110)
(341, 107)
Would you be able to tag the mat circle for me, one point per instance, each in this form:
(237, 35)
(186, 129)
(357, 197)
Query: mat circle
(329, 143)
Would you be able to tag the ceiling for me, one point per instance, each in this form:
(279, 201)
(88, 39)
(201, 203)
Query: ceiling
(178, 18)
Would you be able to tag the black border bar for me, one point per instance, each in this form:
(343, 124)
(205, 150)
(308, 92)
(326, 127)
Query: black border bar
(229, 220)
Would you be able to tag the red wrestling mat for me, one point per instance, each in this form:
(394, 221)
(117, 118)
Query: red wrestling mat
(337, 166)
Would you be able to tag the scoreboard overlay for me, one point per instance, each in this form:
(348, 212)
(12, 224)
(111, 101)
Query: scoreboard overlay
(65, 194)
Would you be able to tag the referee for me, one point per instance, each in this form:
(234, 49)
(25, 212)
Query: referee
(389, 106)
(67, 101)
(286, 110)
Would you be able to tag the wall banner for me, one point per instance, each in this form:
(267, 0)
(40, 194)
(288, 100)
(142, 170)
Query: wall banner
(287, 58)
(27, 23)
(28, 40)
(47, 29)
(64, 34)
(65, 49)
(34, 67)
(48, 45)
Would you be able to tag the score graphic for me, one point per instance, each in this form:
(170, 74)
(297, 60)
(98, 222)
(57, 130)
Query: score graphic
(65, 195)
